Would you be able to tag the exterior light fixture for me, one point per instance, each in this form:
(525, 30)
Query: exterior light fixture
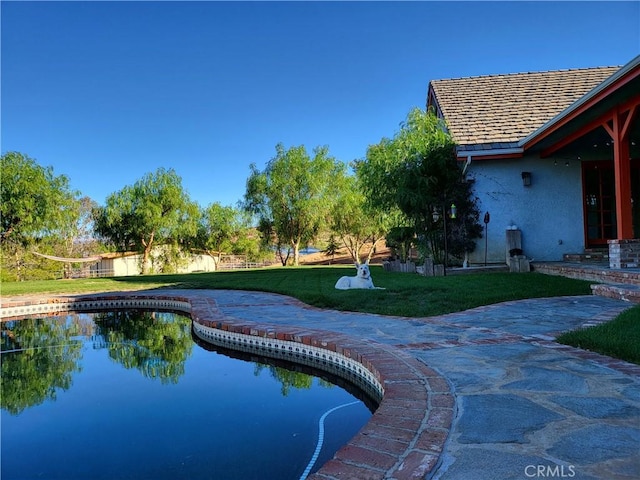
(435, 214)
(526, 179)
(454, 210)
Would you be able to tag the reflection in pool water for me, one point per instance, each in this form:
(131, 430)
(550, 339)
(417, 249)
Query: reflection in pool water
(131, 395)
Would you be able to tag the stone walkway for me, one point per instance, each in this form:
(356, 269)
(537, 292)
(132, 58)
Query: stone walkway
(525, 407)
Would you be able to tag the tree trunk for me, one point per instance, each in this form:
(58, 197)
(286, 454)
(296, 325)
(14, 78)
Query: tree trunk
(215, 256)
(145, 260)
(372, 250)
(296, 253)
(353, 246)
(146, 253)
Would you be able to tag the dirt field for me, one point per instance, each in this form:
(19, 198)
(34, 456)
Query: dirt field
(342, 257)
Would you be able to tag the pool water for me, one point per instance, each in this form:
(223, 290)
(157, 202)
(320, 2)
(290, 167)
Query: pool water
(131, 395)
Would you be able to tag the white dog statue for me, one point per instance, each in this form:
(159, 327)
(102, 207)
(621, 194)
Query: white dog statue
(361, 280)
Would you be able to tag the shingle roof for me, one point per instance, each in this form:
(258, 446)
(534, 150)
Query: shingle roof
(496, 111)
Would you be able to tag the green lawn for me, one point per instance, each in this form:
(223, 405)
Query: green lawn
(404, 295)
(619, 338)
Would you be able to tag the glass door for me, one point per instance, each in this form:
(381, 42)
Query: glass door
(599, 202)
(598, 180)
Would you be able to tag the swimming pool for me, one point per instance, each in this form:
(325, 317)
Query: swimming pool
(135, 395)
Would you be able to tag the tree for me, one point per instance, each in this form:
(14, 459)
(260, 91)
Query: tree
(155, 210)
(37, 207)
(417, 171)
(332, 248)
(357, 222)
(217, 229)
(247, 242)
(39, 359)
(78, 233)
(156, 344)
(293, 196)
(34, 200)
(288, 378)
(399, 240)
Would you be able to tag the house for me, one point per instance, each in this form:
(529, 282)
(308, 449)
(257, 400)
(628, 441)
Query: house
(121, 264)
(130, 263)
(555, 156)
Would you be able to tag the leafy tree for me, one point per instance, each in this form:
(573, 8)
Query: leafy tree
(269, 239)
(39, 358)
(34, 200)
(417, 171)
(288, 378)
(249, 244)
(37, 209)
(400, 239)
(156, 344)
(462, 231)
(75, 239)
(77, 234)
(218, 228)
(332, 248)
(156, 210)
(293, 196)
(357, 222)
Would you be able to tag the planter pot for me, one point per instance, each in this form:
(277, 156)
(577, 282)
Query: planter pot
(398, 266)
(426, 269)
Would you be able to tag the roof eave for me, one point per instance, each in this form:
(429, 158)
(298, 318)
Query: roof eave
(490, 154)
(566, 114)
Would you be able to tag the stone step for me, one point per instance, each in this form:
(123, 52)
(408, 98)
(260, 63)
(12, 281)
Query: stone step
(589, 271)
(626, 292)
(586, 257)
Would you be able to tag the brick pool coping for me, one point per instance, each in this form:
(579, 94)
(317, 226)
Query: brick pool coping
(407, 432)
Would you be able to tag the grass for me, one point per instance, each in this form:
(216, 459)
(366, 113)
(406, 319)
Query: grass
(404, 295)
(619, 338)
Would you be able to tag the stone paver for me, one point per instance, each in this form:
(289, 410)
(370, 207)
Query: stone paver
(525, 407)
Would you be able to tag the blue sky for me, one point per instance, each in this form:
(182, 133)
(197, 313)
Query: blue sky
(107, 91)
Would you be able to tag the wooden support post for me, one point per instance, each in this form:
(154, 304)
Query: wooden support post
(622, 171)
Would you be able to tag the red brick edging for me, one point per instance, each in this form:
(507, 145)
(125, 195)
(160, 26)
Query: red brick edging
(405, 436)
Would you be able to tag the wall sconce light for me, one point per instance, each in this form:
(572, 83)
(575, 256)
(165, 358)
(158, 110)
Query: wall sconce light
(526, 179)
(452, 213)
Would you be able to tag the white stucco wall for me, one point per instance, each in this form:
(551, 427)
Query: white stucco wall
(129, 265)
(200, 263)
(549, 212)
